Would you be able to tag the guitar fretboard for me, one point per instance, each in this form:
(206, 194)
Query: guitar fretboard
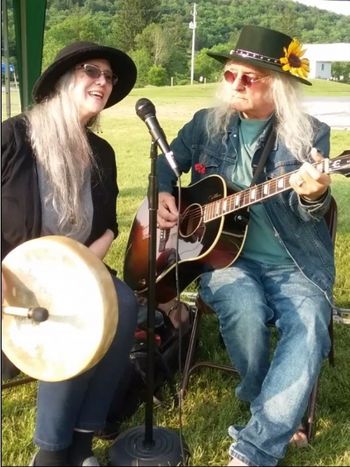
(256, 193)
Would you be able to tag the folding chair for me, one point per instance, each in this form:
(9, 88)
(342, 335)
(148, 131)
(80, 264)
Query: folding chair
(202, 308)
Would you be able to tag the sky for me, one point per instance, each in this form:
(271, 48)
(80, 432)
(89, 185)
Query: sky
(340, 7)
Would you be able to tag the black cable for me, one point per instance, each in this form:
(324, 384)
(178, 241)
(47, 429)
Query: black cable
(178, 310)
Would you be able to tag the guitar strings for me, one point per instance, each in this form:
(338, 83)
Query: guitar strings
(243, 198)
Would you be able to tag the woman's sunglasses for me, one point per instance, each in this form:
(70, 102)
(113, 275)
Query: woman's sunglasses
(94, 72)
(245, 79)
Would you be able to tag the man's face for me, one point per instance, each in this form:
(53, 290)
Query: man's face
(249, 89)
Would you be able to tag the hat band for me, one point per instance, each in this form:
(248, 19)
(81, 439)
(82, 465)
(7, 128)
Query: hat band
(263, 58)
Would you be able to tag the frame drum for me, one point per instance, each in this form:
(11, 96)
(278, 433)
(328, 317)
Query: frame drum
(65, 277)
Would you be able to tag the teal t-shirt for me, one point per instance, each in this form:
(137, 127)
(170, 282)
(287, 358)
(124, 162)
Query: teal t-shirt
(261, 243)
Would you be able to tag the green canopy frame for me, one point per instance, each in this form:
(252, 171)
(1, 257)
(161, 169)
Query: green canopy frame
(29, 18)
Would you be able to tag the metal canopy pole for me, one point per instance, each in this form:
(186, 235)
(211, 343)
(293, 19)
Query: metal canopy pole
(6, 59)
(29, 17)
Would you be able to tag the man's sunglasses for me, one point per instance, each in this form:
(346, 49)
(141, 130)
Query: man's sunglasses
(94, 72)
(245, 79)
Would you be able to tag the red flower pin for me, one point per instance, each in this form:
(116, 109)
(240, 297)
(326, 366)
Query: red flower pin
(200, 168)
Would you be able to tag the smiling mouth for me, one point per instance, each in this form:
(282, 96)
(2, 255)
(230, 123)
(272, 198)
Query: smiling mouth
(96, 94)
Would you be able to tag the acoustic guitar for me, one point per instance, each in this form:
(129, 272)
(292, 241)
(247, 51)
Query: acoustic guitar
(210, 234)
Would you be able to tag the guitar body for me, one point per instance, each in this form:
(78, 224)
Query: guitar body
(202, 245)
(212, 229)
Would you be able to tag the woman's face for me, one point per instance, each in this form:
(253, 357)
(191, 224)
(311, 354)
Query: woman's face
(92, 93)
(249, 90)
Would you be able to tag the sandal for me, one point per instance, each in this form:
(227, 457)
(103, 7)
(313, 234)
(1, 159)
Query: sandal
(234, 462)
(299, 439)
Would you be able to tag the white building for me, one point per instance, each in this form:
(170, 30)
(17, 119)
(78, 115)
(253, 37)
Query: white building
(321, 57)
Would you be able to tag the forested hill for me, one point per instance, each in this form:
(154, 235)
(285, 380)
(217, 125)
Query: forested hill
(217, 20)
(220, 20)
(157, 34)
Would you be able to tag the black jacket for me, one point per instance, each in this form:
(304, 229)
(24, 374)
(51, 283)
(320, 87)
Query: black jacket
(21, 205)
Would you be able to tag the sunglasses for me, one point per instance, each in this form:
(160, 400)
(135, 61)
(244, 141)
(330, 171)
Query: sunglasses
(94, 72)
(245, 79)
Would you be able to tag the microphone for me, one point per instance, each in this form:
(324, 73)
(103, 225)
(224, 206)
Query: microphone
(147, 112)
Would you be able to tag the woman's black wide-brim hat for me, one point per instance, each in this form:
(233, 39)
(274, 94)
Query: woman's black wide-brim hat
(264, 48)
(122, 66)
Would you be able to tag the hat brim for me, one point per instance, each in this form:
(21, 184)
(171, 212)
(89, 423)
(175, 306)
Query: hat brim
(223, 58)
(121, 64)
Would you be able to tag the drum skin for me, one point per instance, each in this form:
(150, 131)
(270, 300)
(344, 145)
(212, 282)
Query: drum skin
(66, 278)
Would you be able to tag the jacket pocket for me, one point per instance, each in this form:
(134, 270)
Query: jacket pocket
(210, 160)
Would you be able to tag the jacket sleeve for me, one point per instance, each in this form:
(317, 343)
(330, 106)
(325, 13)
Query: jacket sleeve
(7, 149)
(314, 211)
(21, 207)
(104, 189)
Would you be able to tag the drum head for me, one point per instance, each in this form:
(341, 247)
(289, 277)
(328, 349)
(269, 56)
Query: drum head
(66, 278)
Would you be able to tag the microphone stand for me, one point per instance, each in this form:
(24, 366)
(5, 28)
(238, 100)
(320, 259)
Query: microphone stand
(147, 444)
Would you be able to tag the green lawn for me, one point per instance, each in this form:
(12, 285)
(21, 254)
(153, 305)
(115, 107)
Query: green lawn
(210, 405)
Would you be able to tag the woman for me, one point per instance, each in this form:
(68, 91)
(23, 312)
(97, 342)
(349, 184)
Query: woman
(58, 177)
(285, 271)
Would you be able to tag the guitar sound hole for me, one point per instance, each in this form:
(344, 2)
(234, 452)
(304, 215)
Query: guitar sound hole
(191, 220)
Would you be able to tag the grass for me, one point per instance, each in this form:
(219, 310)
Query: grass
(210, 405)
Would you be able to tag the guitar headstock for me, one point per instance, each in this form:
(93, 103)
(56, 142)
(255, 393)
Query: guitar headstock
(341, 163)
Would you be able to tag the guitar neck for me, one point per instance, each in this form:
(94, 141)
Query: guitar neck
(255, 194)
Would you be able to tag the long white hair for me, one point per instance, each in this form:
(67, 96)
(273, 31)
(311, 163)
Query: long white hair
(61, 147)
(293, 126)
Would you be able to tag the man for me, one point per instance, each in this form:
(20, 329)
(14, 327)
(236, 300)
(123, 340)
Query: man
(285, 271)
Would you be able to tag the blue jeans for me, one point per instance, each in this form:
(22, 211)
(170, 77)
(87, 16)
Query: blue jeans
(246, 297)
(83, 401)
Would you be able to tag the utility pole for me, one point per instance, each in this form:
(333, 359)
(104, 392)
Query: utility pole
(192, 26)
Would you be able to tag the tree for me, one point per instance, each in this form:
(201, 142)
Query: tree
(341, 71)
(206, 66)
(156, 32)
(165, 45)
(100, 5)
(73, 28)
(130, 20)
(156, 41)
(157, 75)
(143, 63)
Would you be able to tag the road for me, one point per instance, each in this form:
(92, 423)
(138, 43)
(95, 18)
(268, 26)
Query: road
(335, 111)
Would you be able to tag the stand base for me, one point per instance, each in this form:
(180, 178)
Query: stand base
(129, 448)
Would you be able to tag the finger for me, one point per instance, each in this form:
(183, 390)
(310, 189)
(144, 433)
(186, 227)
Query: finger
(168, 211)
(167, 201)
(296, 180)
(307, 171)
(310, 173)
(305, 185)
(316, 155)
(166, 218)
(164, 223)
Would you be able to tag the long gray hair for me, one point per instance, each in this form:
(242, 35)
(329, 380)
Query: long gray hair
(294, 127)
(62, 149)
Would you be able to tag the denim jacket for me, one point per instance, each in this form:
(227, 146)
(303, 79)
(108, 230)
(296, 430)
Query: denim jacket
(300, 227)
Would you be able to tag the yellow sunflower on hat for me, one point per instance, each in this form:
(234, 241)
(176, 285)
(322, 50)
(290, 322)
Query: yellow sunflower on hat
(293, 61)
